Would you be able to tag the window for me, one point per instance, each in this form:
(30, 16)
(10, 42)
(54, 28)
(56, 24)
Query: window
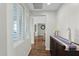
(17, 19)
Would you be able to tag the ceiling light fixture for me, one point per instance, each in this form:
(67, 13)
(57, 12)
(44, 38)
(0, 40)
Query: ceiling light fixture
(48, 3)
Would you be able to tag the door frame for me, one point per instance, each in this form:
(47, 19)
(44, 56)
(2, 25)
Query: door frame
(36, 23)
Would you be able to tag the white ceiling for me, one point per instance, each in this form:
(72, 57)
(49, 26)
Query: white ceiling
(44, 6)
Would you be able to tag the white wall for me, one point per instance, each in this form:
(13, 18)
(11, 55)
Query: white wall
(3, 35)
(50, 25)
(39, 19)
(32, 30)
(68, 17)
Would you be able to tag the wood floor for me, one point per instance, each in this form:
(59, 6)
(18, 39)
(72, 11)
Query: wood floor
(38, 49)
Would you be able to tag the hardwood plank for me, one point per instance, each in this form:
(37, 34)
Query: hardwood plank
(38, 48)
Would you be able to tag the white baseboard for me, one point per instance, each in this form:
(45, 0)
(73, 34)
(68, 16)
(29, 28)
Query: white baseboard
(28, 52)
(47, 48)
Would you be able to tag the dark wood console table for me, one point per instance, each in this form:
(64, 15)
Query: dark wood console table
(58, 49)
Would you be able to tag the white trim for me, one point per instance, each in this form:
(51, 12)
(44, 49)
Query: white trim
(47, 48)
(28, 52)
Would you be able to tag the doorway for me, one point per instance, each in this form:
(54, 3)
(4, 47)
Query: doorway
(39, 26)
(39, 36)
(39, 30)
(38, 49)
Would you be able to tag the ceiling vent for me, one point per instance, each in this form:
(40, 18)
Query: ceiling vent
(38, 5)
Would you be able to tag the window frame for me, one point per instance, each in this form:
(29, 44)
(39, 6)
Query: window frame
(20, 22)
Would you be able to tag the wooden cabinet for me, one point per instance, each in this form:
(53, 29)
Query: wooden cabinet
(52, 46)
(58, 49)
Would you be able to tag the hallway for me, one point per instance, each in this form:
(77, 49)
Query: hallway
(38, 49)
(21, 23)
